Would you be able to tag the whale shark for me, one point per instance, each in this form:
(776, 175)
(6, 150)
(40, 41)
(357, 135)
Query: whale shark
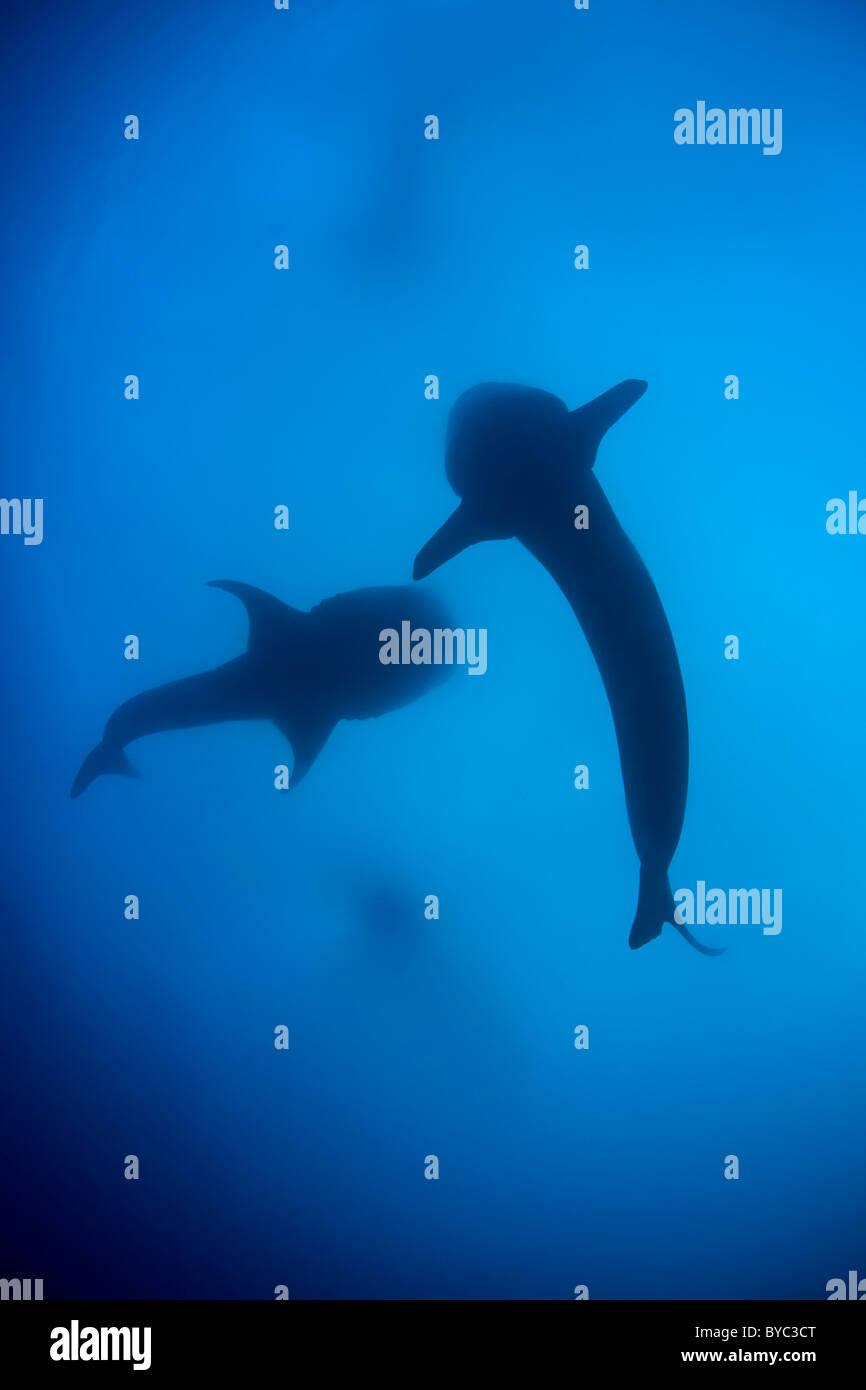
(303, 671)
(522, 463)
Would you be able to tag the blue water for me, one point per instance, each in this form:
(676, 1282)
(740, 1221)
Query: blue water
(410, 1037)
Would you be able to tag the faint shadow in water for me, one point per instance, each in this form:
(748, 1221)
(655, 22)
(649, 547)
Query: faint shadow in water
(388, 914)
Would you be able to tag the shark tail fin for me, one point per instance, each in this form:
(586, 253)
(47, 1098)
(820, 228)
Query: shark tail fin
(102, 759)
(655, 906)
(591, 422)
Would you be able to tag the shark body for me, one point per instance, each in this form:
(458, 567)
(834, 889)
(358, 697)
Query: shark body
(522, 462)
(303, 671)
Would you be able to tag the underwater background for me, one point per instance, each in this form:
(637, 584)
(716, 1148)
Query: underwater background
(413, 1037)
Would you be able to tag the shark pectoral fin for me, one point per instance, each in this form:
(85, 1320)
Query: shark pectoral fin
(461, 529)
(591, 422)
(267, 614)
(308, 738)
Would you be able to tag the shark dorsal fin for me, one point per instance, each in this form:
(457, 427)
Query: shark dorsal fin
(590, 423)
(265, 612)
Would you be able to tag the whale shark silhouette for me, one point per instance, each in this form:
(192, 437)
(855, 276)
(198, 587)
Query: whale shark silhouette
(303, 671)
(522, 463)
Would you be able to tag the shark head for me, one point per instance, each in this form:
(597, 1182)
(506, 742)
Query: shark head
(497, 432)
(506, 447)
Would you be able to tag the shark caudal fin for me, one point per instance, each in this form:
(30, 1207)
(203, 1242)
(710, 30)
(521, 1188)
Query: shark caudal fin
(591, 422)
(655, 906)
(103, 759)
